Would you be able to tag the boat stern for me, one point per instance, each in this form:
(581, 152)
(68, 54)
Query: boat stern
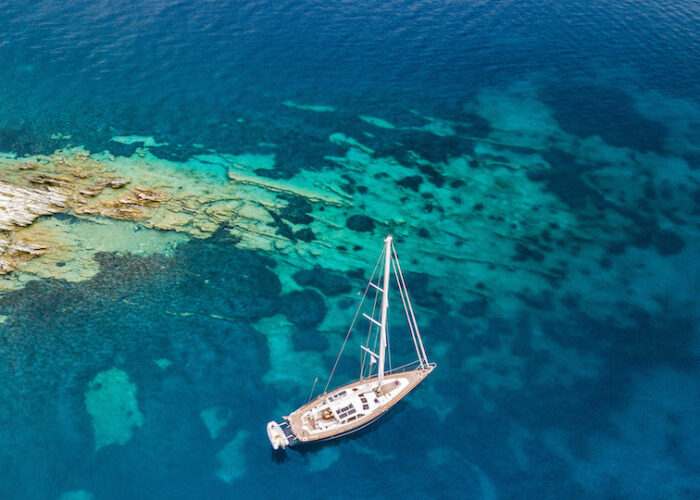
(280, 435)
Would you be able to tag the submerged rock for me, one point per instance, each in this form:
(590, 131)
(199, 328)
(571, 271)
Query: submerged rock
(232, 460)
(304, 307)
(16, 250)
(329, 282)
(306, 235)
(360, 223)
(20, 206)
(474, 308)
(668, 243)
(297, 210)
(215, 419)
(411, 182)
(117, 183)
(323, 459)
(523, 253)
(309, 339)
(289, 364)
(163, 363)
(111, 402)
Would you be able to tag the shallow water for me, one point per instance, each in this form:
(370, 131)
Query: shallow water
(537, 162)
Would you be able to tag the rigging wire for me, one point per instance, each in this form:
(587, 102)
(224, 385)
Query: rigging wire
(402, 366)
(388, 342)
(424, 358)
(410, 316)
(410, 325)
(352, 325)
(374, 348)
(369, 333)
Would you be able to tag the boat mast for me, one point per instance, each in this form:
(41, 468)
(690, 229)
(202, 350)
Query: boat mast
(385, 307)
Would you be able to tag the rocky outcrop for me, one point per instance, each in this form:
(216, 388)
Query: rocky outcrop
(73, 183)
(153, 193)
(15, 251)
(21, 206)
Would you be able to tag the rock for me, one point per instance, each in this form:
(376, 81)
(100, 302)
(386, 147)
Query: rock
(232, 458)
(327, 281)
(305, 234)
(111, 402)
(278, 186)
(308, 339)
(474, 308)
(297, 210)
(304, 307)
(21, 206)
(163, 363)
(79, 175)
(117, 183)
(28, 165)
(130, 207)
(360, 223)
(52, 180)
(215, 419)
(147, 196)
(523, 253)
(411, 182)
(668, 243)
(21, 247)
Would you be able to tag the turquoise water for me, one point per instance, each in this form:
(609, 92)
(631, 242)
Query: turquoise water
(538, 163)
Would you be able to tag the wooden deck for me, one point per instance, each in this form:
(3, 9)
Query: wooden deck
(414, 378)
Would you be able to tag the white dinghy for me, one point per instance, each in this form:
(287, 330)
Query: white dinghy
(357, 404)
(276, 435)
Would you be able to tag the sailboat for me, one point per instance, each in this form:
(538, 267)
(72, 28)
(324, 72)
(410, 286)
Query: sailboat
(359, 403)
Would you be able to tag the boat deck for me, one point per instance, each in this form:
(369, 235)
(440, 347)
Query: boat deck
(303, 419)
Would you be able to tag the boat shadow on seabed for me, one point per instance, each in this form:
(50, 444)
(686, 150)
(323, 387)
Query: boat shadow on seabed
(280, 455)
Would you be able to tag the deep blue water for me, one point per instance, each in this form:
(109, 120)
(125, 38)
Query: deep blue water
(214, 75)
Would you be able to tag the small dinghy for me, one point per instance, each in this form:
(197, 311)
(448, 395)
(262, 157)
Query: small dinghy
(276, 434)
(359, 403)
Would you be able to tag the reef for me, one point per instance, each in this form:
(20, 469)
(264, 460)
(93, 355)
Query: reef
(232, 458)
(520, 210)
(215, 419)
(111, 402)
(19, 207)
(153, 194)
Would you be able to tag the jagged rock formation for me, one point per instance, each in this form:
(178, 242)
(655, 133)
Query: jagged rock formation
(92, 187)
(21, 206)
(61, 183)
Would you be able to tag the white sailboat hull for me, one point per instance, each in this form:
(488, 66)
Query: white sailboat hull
(309, 423)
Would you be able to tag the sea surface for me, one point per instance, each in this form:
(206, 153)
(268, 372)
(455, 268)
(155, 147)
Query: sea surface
(537, 161)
